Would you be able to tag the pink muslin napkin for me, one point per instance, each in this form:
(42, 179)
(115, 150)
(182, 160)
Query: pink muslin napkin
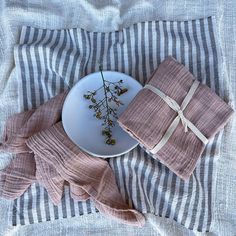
(148, 117)
(46, 154)
(17, 130)
(50, 179)
(17, 176)
(93, 175)
(21, 126)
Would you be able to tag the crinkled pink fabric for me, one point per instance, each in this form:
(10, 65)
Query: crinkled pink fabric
(93, 176)
(44, 152)
(17, 176)
(148, 117)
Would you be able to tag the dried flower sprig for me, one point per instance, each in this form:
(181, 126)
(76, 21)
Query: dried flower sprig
(103, 109)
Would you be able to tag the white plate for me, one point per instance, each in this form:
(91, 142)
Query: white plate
(84, 129)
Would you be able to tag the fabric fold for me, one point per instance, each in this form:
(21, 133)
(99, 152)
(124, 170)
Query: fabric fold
(148, 117)
(50, 179)
(45, 153)
(93, 175)
(78, 193)
(21, 126)
(17, 176)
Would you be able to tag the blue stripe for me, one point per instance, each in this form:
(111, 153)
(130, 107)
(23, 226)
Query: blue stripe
(31, 70)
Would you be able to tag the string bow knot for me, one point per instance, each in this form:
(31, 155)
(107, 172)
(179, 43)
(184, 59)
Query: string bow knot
(180, 117)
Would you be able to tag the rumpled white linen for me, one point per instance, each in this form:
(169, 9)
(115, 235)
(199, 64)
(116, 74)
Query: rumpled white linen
(108, 15)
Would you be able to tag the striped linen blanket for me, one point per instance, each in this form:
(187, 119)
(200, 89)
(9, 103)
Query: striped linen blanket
(48, 61)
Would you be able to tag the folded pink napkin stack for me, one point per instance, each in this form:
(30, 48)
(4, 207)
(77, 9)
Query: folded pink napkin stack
(174, 116)
(44, 153)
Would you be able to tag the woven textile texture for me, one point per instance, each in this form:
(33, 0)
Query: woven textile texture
(109, 16)
(148, 117)
(48, 61)
(41, 138)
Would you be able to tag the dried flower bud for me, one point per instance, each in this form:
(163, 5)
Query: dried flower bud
(122, 91)
(107, 133)
(110, 122)
(86, 96)
(100, 67)
(111, 141)
(98, 115)
(93, 100)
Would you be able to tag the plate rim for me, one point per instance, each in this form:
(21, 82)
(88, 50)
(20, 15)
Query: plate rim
(66, 101)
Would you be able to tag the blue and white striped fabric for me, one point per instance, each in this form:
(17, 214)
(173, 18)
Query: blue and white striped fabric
(35, 206)
(47, 61)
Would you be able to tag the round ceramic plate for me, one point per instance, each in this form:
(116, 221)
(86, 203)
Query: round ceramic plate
(84, 129)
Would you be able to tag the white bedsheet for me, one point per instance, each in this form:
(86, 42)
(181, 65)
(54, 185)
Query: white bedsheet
(108, 15)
